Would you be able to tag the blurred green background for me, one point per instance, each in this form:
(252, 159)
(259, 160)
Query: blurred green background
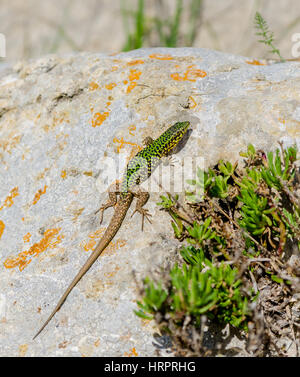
(37, 27)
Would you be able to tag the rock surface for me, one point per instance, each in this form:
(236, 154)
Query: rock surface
(61, 119)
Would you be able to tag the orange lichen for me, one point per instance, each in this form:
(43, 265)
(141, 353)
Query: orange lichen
(2, 227)
(26, 238)
(134, 74)
(110, 86)
(191, 74)
(131, 129)
(93, 86)
(255, 62)
(194, 103)
(96, 236)
(99, 118)
(131, 86)
(63, 174)
(131, 353)
(39, 194)
(133, 77)
(161, 57)
(134, 62)
(122, 142)
(50, 239)
(8, 202)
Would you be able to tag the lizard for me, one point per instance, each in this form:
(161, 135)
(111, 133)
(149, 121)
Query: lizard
(138, 170)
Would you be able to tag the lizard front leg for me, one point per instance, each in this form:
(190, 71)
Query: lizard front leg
(142, 198)
(147, 141)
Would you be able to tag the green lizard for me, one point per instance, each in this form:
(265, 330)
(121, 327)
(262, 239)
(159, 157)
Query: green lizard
(138, 170)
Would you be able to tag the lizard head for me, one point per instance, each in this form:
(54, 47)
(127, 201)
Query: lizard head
(170, 138)
(140, 167)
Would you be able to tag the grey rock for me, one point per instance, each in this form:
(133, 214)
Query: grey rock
(62, 119)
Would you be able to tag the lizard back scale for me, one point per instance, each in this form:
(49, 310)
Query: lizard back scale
(138, 170)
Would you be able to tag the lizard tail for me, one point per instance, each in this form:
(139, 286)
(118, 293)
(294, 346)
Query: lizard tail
(92, 258)
(109, 234)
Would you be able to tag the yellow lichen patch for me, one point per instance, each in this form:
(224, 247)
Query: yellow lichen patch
(161, 57)
(8, 202)
(254, 62)
(23, 349)
(110, 86)
(63, 174)
(114, 68)
(191, 74)
(131, 353)
(135, 62)
(50, 239)
(97, 343)
(99, 118)
(38, 195)
(88, 173)
(26, 238)
(2, 227)
(96, 236)
(93, 86)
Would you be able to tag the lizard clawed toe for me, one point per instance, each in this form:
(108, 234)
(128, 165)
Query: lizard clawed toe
(145, 214)
(101, 210)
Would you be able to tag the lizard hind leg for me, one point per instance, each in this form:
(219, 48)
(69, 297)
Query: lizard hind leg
(113, 192)
(142, 198)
